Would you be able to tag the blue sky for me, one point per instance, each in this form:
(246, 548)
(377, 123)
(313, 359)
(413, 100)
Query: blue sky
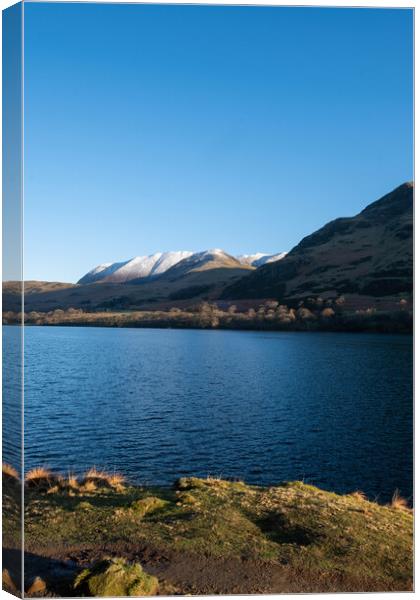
(154, 128)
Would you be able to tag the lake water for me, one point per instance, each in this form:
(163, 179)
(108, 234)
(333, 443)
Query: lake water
(331, 409)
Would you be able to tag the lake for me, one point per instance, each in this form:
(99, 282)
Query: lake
(331, 409)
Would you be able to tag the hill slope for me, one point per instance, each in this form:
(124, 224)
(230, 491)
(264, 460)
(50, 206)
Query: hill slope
(370, 254)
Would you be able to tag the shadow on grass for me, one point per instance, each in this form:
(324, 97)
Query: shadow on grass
(279, 530)
(101, 498)
(57, 575)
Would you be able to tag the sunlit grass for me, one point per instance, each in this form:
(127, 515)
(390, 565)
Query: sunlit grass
(359, 495)
(10, 471)
(41, 477)
(398, 502)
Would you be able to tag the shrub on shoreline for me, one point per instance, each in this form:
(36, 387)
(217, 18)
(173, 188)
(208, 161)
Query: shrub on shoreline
(313, 314)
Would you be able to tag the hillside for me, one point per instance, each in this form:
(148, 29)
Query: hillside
(155, 281)
(370, 254)
(36, 290)
(201, 275)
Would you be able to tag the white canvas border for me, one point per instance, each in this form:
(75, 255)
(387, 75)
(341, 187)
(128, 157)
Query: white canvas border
(300, 3)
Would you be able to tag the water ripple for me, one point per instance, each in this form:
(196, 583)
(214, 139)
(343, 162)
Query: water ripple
(334, 409)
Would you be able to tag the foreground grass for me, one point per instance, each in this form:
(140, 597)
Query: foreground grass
(302, 538)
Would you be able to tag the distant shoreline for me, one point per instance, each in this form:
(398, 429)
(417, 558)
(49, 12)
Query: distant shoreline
(367, 322)
(238, 329)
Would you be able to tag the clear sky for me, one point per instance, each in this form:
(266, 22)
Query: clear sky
(154, 128)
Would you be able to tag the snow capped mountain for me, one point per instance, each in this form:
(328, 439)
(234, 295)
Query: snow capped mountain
(258, 259)
(200, 258)
(143, 267)
(101, 272)
(148, 266)
(139, 267)
(168, 260)
(204, 261)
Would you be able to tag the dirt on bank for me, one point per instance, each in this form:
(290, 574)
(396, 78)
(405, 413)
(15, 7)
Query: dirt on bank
(181, 573)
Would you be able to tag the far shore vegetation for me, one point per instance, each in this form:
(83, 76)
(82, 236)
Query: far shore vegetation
(312, 314)
(97, 534)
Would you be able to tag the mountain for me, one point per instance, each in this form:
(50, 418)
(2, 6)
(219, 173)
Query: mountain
(204, 261)
(141, 268)
(201, 274)
(137, 268)
(159, 280)
(370, 254)
(259, 259)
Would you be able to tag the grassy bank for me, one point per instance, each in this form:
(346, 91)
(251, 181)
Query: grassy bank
(209, 535)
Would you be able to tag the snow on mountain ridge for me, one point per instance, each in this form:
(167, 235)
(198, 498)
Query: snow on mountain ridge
(207, 255)
(101, 272)
(249, 259)
(168, 260)
(260, 258)
(138, 267)
(141, 267)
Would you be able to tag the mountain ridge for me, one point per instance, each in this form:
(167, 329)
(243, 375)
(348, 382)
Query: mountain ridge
(366, 259)
(159, 263)
(368, 254)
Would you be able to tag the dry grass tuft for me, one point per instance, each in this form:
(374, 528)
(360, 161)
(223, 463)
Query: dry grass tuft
(9, 584)
(102, 478)
(72, 481)
(37, 473)
(10, 471)
(88, 486)
(92, 481)
(94, 473)
(41, 477)
(116, 480)
(359, 495)
(398, 502)
(37, 587)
